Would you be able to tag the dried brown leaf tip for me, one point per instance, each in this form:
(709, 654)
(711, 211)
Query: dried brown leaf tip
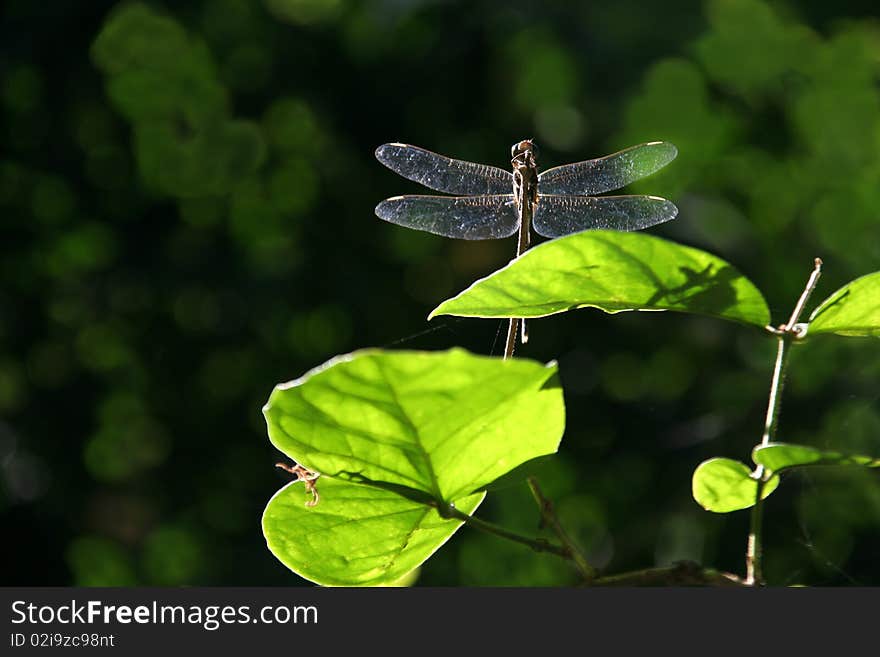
(306, 476)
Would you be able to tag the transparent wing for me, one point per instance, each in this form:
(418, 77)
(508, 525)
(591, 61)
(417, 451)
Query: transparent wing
(462, 217)
(561, 215)
(442, 173)
(607, 173)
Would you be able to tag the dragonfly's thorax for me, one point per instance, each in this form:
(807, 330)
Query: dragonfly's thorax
(525, 172)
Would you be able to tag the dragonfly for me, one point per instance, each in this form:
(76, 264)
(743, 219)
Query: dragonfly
(491, 203)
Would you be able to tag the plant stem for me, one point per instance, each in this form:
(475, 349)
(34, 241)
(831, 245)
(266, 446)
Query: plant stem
(808, 290)
(512, 327)
(587, 571)
(522, 245)
(754, 572)
(537, 544)
(684, 573)
(785, 335)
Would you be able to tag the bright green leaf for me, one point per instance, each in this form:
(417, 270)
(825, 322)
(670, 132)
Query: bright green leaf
(357, 535)
(724, 485)
(612, 271)
(442, 423)
(853, 310)
(778, 456)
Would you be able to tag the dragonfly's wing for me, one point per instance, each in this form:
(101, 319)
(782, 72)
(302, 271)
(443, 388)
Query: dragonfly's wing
(462, 217)
(607, 173)
(442, 173)
(560, 215)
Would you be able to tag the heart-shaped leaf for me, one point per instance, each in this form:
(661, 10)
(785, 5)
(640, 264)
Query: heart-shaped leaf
(853, 310)
(443, 423)
(357, 535)
(779, 456)
(612, 271)
(724, 485)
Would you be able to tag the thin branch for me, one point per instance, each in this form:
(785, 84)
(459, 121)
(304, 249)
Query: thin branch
(805, 296)
(774, 401)
(549, 518)
(684, 573)
(785, 334)
(537, 544)
(511, 337)
(754, 571)
(522, 244)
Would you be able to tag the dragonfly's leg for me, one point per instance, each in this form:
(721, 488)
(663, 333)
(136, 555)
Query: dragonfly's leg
(525, 332)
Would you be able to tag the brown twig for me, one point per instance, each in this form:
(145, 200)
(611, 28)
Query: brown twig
(549, 519)
(683, 573)
(308, 477)
(537, 544)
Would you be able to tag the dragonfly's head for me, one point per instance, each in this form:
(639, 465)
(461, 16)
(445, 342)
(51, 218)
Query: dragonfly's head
(524, 152)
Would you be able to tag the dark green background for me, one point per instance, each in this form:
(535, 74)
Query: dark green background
(186, 198)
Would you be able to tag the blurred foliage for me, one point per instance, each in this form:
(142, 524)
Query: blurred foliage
(186, 195)
(166, 85)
